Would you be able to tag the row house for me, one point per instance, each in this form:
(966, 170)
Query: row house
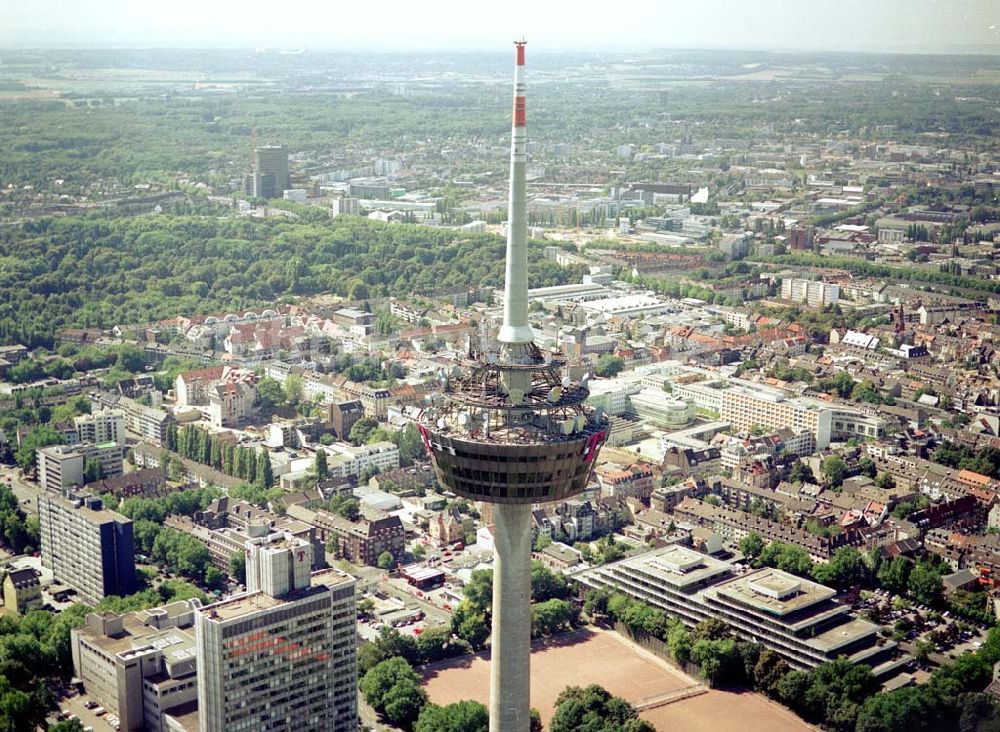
(616, 481)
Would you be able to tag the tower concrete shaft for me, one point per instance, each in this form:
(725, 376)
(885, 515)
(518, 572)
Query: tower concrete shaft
(515, 329)
(510, 664)
(513, 431)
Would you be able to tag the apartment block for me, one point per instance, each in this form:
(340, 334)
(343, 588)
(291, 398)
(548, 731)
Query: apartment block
(22, 589)
(619, 481)
(812, 293)
(362, 541)
(147, 424)
(87, 547)
(282, 657)
(59, 466)
(101, 427)
(345, 461)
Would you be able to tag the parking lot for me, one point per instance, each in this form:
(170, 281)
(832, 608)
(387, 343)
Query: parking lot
(90, 718)
(911, 623)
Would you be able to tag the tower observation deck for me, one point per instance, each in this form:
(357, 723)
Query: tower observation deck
(513, 431)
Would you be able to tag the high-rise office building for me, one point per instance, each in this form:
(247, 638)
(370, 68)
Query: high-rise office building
(87, 547)
(512, 432)
(283, 655)
(268, 177)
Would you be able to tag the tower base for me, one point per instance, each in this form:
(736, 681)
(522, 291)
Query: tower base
(510, 664)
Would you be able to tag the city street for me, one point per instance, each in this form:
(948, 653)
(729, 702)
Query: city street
(25, 491)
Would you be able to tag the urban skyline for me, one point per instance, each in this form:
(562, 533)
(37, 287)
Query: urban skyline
(332, 399)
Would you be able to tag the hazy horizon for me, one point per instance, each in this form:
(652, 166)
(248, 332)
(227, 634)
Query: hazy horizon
(882, 26)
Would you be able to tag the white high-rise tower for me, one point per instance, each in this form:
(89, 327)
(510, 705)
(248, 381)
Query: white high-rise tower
(513, 432)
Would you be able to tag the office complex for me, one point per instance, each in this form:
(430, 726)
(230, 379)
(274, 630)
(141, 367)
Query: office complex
(268, 176)
(140, 666)
(282, 656)
(513, 432)
(796, 617)
(87, 547)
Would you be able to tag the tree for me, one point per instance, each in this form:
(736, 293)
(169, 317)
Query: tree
(470, 624)
(362, 430)
(922, 650)
(70, 725)
(238, 567)
(769, 671)
(322, 471)
(835, 469)
(551, 617)
(265, 473)
(214, 578)
(546, 584)
(93, 470)
(392, 688)
(925, 584)
(885, 481)
(752, 545)
(536, 721)
(38, 437)
(609, 365)
(902, 710)
(786, 557)
(594, 708)
(716, 659)
(895, 575)
(403, 703)
(801, 473)
(479, 590)
(294, 389)
(679, 641)
(710, 629)
(844, 569)
(386, 560)
(462, 716)
(270, 394)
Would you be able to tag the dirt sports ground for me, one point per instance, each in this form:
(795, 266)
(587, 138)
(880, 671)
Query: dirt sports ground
(666, 697)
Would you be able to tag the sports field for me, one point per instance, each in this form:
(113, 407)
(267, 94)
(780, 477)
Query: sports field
(598, 657)
(724, 711)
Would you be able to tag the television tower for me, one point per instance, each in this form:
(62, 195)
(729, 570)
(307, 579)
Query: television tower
(512, 431)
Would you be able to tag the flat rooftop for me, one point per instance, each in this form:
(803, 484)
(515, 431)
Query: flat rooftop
(135, 634)
(774, 592)
(679, 566)
(240, 605)
(842, 635)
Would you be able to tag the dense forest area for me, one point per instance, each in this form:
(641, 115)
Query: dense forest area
(98, 272)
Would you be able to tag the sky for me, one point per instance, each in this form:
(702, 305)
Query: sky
(949, 26)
